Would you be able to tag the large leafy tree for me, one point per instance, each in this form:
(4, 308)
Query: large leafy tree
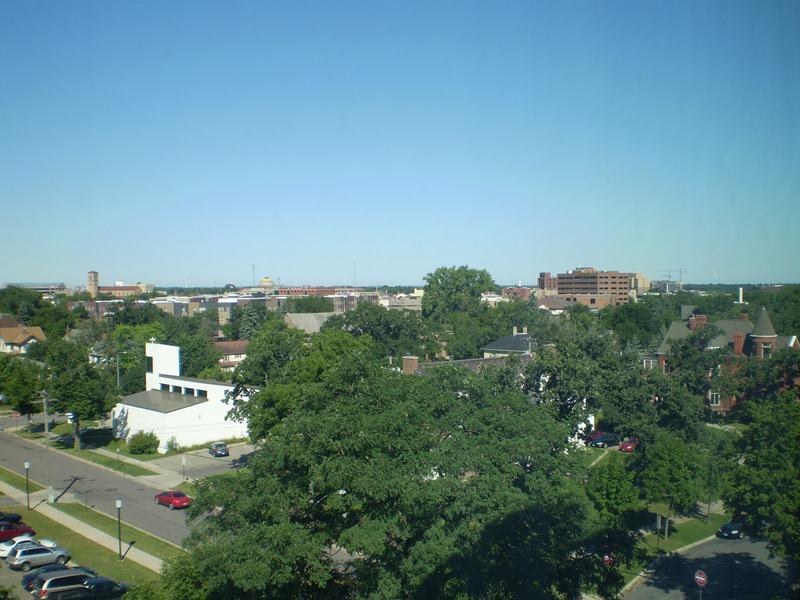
(765, 489)
(75, 385)
(669, 473)
(21, 381)
(394, 332)
(419, 481)
(455, 289)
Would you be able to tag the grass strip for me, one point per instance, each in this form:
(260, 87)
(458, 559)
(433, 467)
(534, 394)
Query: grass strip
(144, 542)
(109, 462)
(18, 481)
(87, 553)
(680, 535)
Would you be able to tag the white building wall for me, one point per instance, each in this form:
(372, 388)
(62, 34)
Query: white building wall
(166, 360)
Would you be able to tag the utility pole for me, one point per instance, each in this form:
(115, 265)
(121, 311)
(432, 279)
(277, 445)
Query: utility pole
(50, 496)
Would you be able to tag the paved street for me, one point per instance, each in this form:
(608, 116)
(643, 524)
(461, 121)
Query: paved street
(80, 481)
(735, 568)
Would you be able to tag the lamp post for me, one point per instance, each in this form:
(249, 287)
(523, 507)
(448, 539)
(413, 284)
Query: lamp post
(183, 463)
(27, 487)
(117, 458)
(119, 526)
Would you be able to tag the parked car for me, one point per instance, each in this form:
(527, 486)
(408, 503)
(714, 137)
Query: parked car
(23, 540)
(30, 576)
(12, 530)
(10, 517)
(605, 441)
(27, 557)
(591, 437)
(218, 449)
(731, 530)
(96, 588)
(174, 499)
(629, 445)
(47, 584)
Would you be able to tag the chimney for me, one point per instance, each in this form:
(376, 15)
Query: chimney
(744, 317)
(741, 299)
(738, 342)
(525, 330)
(410, 364)
(692, 323)
(514, 331)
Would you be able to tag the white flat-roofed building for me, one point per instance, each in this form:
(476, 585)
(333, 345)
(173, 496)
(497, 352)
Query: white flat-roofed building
(180, 410)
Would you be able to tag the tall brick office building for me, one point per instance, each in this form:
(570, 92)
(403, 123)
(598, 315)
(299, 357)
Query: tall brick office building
(589, 286)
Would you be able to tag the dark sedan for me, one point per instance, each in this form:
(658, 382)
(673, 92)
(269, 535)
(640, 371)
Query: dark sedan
(10, 517)
(605, 441)
(731, 530)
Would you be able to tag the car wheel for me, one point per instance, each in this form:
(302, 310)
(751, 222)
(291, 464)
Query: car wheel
(171, 506)
(62, 560)
(25, 567)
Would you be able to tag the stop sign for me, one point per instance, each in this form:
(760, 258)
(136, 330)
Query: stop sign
(700, 578)
(16, 415)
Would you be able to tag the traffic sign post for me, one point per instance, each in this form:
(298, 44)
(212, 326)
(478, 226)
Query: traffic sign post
(701, 579)
(16, 421)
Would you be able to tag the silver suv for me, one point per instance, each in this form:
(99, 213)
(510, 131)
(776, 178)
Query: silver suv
(27, 557)
(51, 584)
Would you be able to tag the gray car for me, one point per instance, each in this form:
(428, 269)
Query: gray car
(28, 557)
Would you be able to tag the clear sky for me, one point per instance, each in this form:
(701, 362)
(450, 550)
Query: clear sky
(371, 142)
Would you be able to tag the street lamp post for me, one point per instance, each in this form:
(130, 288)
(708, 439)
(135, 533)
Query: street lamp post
(119, 526)
(183, 463)
(27, 486)
(117, 458)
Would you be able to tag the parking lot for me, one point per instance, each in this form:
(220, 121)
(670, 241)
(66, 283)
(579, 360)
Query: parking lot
(9, 578)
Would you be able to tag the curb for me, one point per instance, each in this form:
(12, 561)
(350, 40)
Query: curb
(83, 529)
(628, 586)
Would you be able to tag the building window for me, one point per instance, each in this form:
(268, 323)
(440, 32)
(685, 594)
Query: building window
(766, 349)
(713, 398)
(202, 393)
(149, 361)
(164, 387)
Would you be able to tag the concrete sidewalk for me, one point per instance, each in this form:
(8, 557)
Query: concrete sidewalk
(40, 505)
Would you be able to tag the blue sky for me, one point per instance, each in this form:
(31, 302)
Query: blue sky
(335, 142)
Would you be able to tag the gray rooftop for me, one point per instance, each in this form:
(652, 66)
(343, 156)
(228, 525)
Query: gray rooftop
(162, 401)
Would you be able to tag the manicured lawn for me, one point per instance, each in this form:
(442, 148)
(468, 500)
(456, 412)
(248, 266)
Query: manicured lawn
(106, 524)
(87, 553)
(18, 481)
(110, 462)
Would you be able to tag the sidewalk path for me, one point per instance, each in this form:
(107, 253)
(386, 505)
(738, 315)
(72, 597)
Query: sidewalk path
(39, 500)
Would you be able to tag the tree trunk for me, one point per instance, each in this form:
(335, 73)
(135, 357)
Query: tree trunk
(76, 433)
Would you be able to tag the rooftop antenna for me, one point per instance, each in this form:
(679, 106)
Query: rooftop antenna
(254, 276)
(354, 275)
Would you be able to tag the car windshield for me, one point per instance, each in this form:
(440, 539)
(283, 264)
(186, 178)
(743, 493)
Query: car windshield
(178, 495)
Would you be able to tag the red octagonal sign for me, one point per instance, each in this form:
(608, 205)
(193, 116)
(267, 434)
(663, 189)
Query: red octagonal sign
(700, 578)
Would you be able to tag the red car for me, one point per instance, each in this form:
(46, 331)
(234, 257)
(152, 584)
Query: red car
(629, 445)
(174, 499)
(12, 530)
(590, 437)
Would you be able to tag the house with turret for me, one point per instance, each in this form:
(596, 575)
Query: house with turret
(743, 337)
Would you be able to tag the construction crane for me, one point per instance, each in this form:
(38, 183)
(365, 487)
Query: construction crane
(669, 272)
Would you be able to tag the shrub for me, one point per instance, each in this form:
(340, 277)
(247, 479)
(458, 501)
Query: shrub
(172, 444)
(143, 442)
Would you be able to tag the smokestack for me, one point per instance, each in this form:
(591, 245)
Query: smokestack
(741, 301)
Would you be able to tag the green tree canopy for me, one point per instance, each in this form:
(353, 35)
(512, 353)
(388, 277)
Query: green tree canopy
(443, 485)
(455, 289)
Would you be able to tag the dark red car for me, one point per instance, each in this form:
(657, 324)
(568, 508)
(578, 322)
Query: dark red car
(174, 499)
(629, 445)
(590, 437)
(12, 530)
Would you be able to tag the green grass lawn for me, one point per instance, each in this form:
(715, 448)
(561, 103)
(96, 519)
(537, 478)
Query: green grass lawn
(680, 535)
(18, 481)
(106, 524)
(86, 552)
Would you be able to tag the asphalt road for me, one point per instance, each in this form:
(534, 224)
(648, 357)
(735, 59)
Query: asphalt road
(100, 488)
(735, 569)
